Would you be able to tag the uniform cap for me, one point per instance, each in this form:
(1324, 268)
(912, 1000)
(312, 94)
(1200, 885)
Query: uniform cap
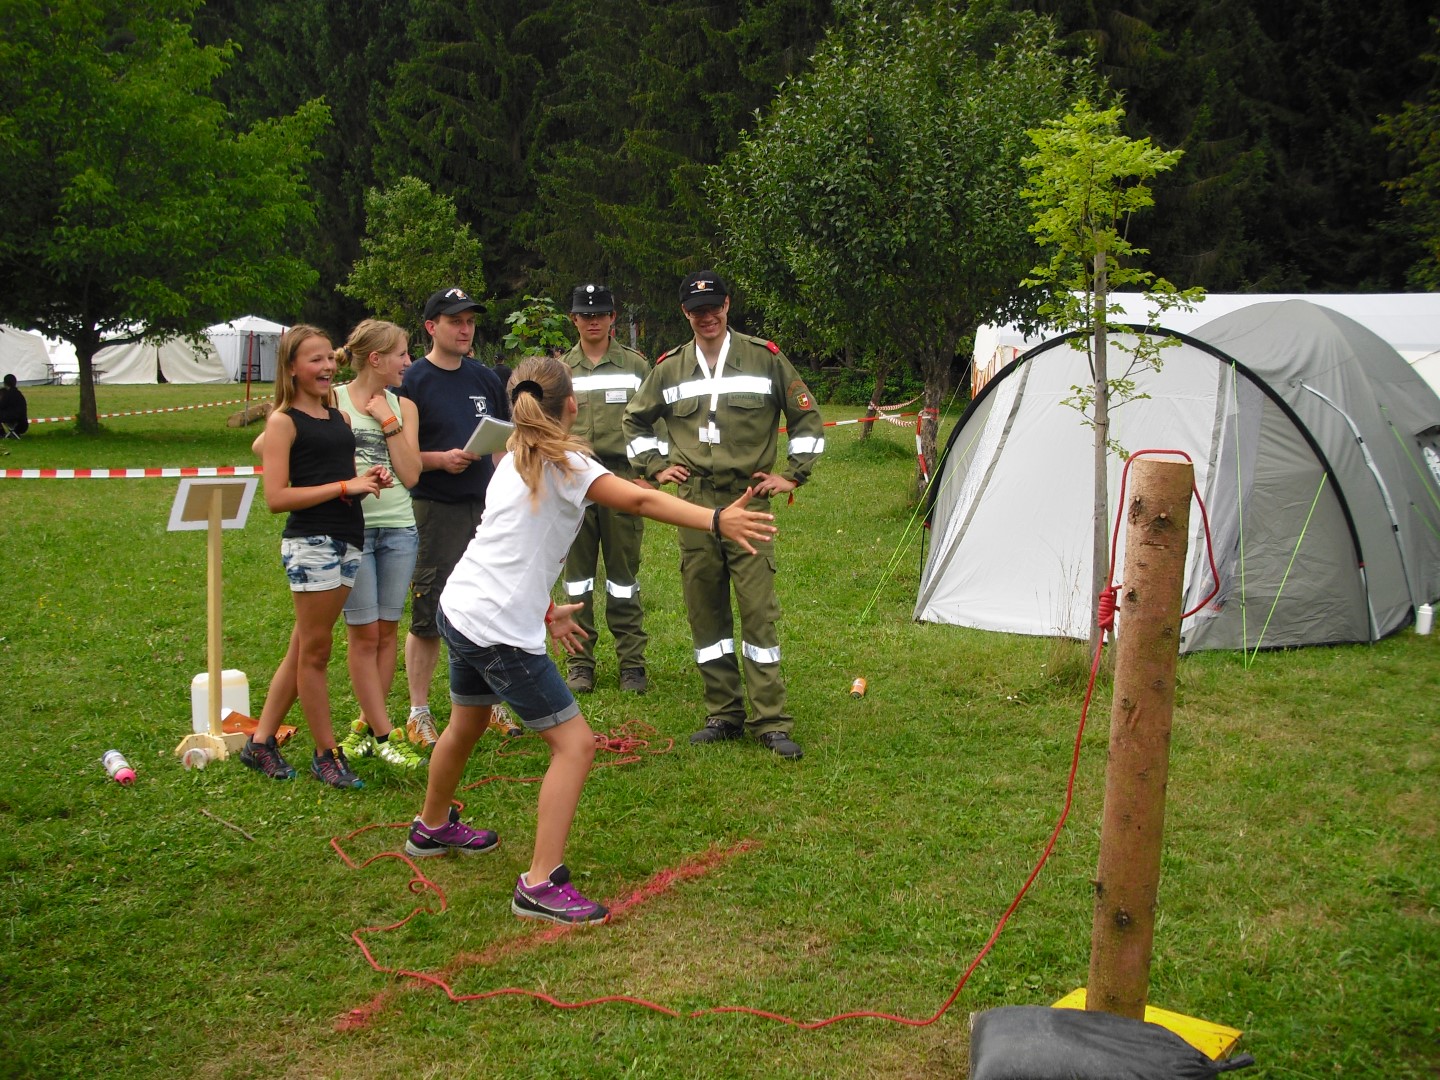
(702, 289)
(595, 299)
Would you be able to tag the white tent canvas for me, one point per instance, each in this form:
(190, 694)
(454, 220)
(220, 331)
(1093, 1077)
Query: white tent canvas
(1410, 322)
(177, 360)
(1316, 449)
(247, 345)
(24, 355)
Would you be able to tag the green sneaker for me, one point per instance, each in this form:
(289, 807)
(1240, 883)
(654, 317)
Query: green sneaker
(396, 751)
(359, 743)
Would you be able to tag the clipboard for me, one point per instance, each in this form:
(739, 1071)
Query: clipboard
(488, 437)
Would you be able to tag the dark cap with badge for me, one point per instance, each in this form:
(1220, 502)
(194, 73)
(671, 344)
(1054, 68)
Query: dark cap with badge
(592, 300)
(703, 289)
(448, 302)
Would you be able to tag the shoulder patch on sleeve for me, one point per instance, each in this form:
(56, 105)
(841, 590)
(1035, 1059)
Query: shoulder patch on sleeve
(799, 393)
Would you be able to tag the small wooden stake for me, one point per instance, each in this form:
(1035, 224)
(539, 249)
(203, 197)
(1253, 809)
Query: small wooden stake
(1147, 651)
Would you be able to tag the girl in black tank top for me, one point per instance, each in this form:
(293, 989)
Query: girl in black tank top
(309, 455)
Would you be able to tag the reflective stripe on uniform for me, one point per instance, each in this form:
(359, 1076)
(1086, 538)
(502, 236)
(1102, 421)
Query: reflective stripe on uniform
(727, 384)
(807, 444)
(580, 588)
(642, 444)
(621, 592)
(759, 655)
(623, 381)
(723, 647)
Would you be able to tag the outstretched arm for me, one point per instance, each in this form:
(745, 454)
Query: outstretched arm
(734, 521)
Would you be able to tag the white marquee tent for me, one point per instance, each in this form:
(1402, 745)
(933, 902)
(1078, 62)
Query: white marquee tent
(1316, 450)
(249, 342)
(23, 355)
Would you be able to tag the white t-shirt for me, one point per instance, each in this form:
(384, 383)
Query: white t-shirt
(499, 591)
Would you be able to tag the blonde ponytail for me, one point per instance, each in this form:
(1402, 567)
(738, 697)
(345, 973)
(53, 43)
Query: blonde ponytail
(538, 391)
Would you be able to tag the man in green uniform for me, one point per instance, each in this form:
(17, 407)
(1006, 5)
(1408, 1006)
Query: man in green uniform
(606, 376)
(722, 397)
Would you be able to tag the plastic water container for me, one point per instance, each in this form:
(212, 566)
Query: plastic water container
(234, 694)
(1424, 619)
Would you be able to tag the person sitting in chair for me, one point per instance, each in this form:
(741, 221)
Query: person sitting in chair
(14, 412)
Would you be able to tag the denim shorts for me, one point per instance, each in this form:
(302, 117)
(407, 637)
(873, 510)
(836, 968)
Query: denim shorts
(318, 563)
(529, 683)
(384, 578)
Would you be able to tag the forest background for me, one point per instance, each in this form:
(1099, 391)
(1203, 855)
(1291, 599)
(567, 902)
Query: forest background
(573, 137)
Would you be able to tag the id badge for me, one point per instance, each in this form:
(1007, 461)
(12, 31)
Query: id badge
(615, 397)
(710, 434)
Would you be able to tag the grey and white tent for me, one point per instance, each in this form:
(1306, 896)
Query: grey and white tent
(1316, 449)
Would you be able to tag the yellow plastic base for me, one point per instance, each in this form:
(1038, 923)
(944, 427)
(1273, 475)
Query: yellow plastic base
(1213, 1040)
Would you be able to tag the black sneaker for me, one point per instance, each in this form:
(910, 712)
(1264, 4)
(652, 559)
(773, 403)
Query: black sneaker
(633, 680)
(332, 768)
(779, 742)
(581, 680)
(716, 730)
(265, 757)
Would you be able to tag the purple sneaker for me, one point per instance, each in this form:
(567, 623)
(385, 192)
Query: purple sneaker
(555, 900)
(424, 841)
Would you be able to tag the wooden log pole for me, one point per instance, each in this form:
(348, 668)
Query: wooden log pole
(1157, 515)
(214, 615)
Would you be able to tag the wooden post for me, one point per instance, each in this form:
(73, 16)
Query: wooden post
(213, 592)
(1147, 651)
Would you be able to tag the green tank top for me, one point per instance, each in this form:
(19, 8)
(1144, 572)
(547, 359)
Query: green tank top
(392, 509)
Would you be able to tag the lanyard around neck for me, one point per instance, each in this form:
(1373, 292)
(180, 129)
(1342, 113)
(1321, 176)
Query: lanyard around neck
(713, 378)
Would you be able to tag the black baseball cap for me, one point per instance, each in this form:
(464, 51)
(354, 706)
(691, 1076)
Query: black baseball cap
(702, 289)
(594, 299)
(449, 302)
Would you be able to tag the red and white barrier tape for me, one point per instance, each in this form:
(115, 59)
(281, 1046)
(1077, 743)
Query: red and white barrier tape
(138, 412)
(130, 474)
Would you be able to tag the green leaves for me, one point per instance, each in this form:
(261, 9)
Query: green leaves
(136, 209)
(414, 243)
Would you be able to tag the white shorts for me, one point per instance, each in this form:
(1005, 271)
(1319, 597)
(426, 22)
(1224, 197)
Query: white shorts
(318, 563)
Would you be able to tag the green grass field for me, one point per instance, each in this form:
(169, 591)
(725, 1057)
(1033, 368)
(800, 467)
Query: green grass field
(1300, 898)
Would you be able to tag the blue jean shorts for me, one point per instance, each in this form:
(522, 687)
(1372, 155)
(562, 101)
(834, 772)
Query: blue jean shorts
(318, 563)
(529, 683)
(384, 578)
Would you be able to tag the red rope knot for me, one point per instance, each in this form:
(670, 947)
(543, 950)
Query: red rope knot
(1106, 617)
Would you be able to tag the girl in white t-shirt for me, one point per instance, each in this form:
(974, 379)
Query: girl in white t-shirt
(495, 612)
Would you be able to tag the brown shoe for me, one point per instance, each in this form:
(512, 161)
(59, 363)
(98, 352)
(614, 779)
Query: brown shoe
(633, 680)
(581, 680)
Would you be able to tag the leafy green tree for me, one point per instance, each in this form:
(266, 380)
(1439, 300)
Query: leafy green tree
(876, 205)
(1415, 133)
(414, 243)
(1087, 179)
(130, 210)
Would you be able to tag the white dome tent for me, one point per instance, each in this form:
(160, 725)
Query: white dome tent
(1316, 449)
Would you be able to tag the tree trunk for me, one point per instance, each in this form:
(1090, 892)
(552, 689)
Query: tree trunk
(1100, 545)
(1131, 831)
(88, 417)
(936, 372)
(871, 410)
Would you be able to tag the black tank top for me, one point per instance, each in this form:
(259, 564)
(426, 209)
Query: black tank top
(322, 453)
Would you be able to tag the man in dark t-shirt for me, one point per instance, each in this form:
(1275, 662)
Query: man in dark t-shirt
(451, 391)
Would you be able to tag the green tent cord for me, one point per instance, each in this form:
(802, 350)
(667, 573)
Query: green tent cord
(1324, 479)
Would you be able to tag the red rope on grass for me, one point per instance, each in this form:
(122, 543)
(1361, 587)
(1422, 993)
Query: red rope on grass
(665, 879)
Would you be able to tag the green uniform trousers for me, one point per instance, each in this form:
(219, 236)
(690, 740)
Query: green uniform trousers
(618, 538)
(709, 568)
